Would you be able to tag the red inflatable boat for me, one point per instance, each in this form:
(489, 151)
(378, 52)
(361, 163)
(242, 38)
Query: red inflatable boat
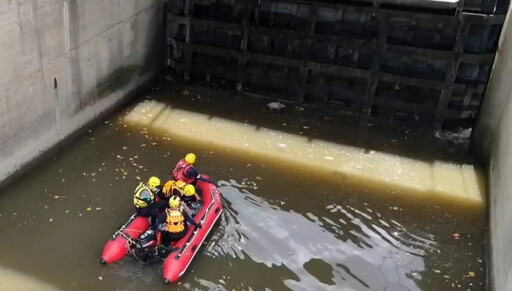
(178, 261)
(121, 242)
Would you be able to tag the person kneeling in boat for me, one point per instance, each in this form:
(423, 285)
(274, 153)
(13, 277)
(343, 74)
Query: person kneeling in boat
(185, 171)
(145, 202)
(187, 194)
(191, 199)
(173, 223)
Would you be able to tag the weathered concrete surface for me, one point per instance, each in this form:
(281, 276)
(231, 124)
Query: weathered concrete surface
(500, 191)
(65, 62)
(493, 139)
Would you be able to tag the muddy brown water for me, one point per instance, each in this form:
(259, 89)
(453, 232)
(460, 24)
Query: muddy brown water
(283, 227)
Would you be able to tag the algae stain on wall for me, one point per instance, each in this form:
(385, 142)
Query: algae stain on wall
(118, 79)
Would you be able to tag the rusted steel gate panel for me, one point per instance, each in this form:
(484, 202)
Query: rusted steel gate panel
(427, 63)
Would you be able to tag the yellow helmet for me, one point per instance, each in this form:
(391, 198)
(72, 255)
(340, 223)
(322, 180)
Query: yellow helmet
(153, 182)
(190, 158)
(189, 190)
(174, 202)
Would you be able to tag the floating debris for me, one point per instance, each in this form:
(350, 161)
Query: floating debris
(275, 106)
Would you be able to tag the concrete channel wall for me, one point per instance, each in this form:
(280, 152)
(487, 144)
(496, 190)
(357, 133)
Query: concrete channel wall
(64, 62)
(493, 140)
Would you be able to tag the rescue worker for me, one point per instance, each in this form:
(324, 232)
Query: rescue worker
(173, 223)
(185, 171)
(189, 195)
(144, 199)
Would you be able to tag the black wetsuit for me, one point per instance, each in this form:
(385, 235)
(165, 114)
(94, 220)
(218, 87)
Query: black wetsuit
(192, 172)
(168, 237)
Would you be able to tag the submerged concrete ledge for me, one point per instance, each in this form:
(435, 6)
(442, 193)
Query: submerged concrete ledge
(461, 182)
(14, 280)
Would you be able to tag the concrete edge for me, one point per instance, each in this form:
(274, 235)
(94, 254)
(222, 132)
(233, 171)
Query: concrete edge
(489, 282)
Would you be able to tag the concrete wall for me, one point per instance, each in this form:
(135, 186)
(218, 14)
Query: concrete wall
(493, 140)
(64, 62)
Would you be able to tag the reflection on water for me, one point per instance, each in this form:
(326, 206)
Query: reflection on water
(354, 252)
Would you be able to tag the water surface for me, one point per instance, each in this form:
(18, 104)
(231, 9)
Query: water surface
(284, 226)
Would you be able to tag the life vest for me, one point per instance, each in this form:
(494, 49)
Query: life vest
(143, 196)
(180, 172)
(172, 187)
(175, 221)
